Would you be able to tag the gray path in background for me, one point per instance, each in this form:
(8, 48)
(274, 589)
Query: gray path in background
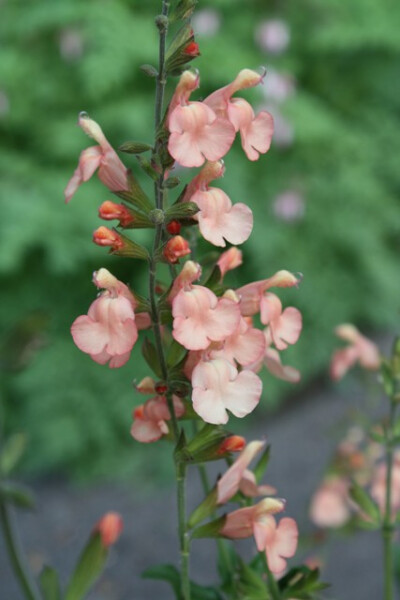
(303, 436)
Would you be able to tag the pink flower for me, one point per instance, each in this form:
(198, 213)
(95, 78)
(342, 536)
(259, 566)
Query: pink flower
(284, 325)
(190, 272)
(361, 350)
(110, 528)
(330, 504)
(272, 361)
(108, 332)
(246, 345)
(255, 131)
(217, 218)
(230, 259)
(150, 418)
(251, 294)
(201, 318)
(289, 206)
(278, 541)
(273, 36)
(196, 132)
(232, 480)
(218, 387)
(111, 172)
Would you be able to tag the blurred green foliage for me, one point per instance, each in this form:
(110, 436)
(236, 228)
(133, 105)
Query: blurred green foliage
(336, 149)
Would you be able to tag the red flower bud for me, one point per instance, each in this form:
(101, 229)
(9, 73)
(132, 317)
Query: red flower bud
(192, 49)
(109, 527)
(161, 388)
(175, 248)
(103, 236)
(174, 227)
(233, 443)
(110, 210)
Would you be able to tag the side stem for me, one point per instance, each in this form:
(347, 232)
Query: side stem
(17, 562)
(183, 533)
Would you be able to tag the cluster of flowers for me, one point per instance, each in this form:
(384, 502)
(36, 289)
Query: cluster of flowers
(223, 350)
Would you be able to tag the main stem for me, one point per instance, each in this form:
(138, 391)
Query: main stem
(15, 556)
(387, 526)
(184, 541)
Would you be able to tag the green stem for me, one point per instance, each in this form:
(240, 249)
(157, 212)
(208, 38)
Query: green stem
(272, 583)
(388, 526)
(17, 562)
(184, 539)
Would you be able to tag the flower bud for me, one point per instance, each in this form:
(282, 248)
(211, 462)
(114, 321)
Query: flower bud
(233, 443)
(192, 49)
(110, 528)
(176, 248)
(161, 388)
(103, 236)
(110, 210)
(146, 386)
(174, 227)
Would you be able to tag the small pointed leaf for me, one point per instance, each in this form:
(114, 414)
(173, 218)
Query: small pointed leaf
(49, 584)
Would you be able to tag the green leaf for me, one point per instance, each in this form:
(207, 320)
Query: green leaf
(149, 70)
(135, 195)
(365, 502)
(130, 249)
(134, 147)
(261, 466)
(211, 529)
(302, 583)
(172, 182)
(171, 575)
(12, 453)
(90, 566)
(151, 357)
(49, 584)
(204, 509)
(17, 495)
(147, 166)
(251, 585)
(176, 354)
(387, 378)
(181, 210)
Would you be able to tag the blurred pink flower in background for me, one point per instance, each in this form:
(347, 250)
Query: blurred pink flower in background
(206, 22)
(273, 36)
(4, 104)
(278, 86)
(289, 206)
(330, 505)
(378, 487)
(110, 528)
(360, 349)
(71, 45)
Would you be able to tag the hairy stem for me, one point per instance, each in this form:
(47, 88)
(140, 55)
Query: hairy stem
(183, 533)
(17, 562)
(388, 526)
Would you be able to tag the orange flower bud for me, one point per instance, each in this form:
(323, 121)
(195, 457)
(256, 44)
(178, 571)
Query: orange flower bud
(110, 210)
(174, 227)
(161, 388)
(103, 236)
(233, 443)
(175, 248)
(110, 527)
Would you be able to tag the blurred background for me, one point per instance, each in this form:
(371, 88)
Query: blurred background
(325, 198)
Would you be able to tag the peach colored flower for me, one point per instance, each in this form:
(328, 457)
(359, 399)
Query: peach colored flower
(111, 171)
(150, 418)
(190, 272)
(108, 332)
(110, 528)
(360, 350)
(284, 325)
(246, 345)
(378, 486)
(103, 236)
(272, 361)
(330, 505)
(201, 318)
(218, 387)
(251, 294)
(229, 484)
(230, 259)
(255, 131)
(196, 133)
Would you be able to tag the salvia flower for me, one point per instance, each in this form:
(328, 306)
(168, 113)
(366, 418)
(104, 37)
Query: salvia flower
(103, 236)
(229, 260)
(255, 131)
(197, 133)
(330, 505)
(251, 294)
(176, 248)
(219, 387)
(109, 331)
(284, 325)
(150, 418)
(360, 349)
(111, 171)
(218, 219)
